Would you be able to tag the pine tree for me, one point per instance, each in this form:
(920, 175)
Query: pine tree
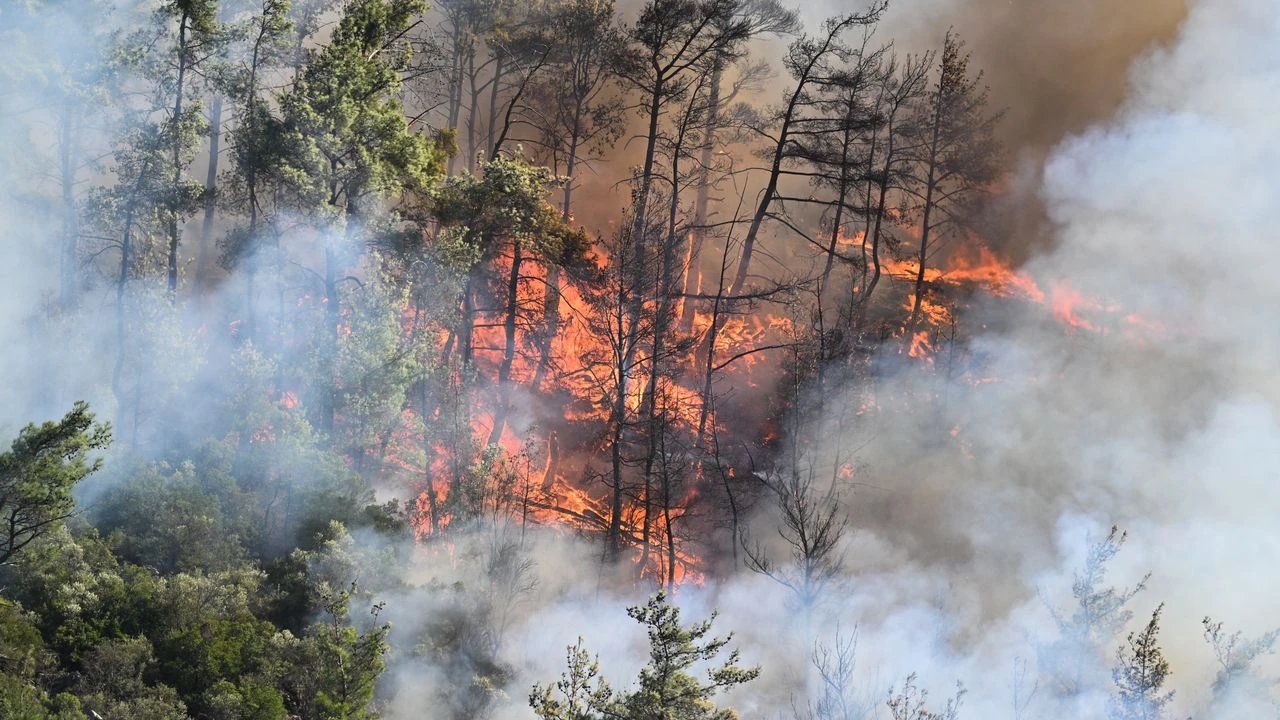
(256, 142)
(1100, 612)
(197, 29)
(956, 156)
(348, 146)
(579, 694)
(1140, 674)
(667, 689)
(38, 473)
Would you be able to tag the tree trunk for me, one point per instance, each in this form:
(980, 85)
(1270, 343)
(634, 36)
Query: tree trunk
(618, 417)
(455, 91)
(495, 87)
(207, 243)
(701, 203)
(646, 173)
(927, 212)
(509, 348)
(122, 282)
(842, 193)
(472, 111)
(551, 290)
(174, 234)
(775, 169)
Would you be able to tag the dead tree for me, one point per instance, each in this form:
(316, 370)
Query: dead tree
(812, 522)
(808, 60)
(956, 157)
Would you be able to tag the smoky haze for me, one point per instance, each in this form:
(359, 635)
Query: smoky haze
(1143, 175)
(1055, 68)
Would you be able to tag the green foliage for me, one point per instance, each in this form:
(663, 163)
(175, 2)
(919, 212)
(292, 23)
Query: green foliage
(21, 699)
(338, 560)
(206, 628)
(345, 127)
(38, 473)
(483, 486)
(336, 666)
(666, 688)
(199, 15)
(296, 482)
(182, 519)
(21, 647)
(83, 596)
(142, 200)
(507, 202)
(376, 366)
(113, 684)
(257, 141)
(22, 658)
(580, 692)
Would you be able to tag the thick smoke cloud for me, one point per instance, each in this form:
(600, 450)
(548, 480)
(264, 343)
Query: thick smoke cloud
(1055, 69)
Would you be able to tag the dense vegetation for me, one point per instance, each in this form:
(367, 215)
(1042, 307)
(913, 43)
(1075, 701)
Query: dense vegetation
(402, 324)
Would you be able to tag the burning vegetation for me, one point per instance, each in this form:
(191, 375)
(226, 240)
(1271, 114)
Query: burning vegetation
(418, 310)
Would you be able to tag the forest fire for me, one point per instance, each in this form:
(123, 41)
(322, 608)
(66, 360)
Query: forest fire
(552, 446)
(555, 398)
(407, 341)
(981, 270)
(404, 341)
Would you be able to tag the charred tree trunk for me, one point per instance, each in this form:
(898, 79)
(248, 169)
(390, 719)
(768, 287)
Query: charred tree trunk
(427, 409)
(875, 222)
(926, 213)
(646, 172)
(473, 110)
(466, 328)
(623, 343)
(709, 349)
(553, 462)
(509, 325)
(551, 292)
(617, 423)
(842, 193)
(456, 74)
(495, 88)
(702, 201)
(672, 558)
(654, 420)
